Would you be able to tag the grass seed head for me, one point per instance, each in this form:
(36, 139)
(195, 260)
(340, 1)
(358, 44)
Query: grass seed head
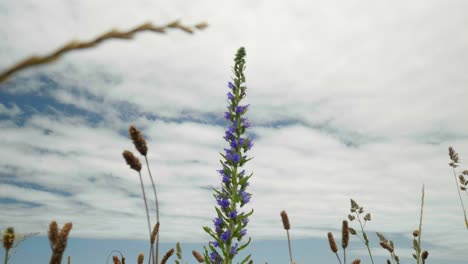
(131, 160)
(154, 233)
(454, 157)
(356, 261)
(285, 219)
(167, 256)
(344, 234)
(138, 140)
(141, 257)
(8, 238)
(332, 243)
(198, 256)
(424, 255)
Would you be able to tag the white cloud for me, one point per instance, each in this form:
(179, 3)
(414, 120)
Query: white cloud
(348, 100)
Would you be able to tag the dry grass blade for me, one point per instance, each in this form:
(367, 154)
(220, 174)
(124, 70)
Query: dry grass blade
(76, 45)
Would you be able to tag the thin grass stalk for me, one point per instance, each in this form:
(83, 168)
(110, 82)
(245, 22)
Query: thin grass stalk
(461, 200)
(6, 255)
(420, 226)
(146, 206)
(289, 246)
(157, 210)
(366, 241)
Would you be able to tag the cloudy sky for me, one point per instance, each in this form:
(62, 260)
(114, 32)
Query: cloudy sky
(348, 99)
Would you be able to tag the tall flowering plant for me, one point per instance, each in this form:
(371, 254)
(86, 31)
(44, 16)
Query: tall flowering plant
(230, 224)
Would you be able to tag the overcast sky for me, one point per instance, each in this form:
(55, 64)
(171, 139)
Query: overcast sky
(348, 99)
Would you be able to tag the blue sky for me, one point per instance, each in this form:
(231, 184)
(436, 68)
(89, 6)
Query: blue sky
(348, 99)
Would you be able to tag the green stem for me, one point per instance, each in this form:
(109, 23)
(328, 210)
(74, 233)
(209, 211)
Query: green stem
(366, 240)
(6, 255)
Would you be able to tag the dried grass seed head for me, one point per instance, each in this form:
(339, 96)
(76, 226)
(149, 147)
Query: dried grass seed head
(356, 261)
(454, 157)
(8, 238)
(116, 260)
(53, 234)
(167, 256)
(332, 243)
(138, 140)
(386, 246)
(131, 160)
(285, 219)
(154, 233)
(425, 254)
(344, 234)
(415, 233)
(198, 256)
(141, 257)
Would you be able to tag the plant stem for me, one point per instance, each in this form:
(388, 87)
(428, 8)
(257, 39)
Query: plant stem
(420, 226)
(157, 210)
(365, 237)
(338, 258)
(289, 246)
(459, 195)
(146, 206)
(6, 255)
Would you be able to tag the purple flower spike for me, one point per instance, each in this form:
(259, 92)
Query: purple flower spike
(230, 85)
(230, 96)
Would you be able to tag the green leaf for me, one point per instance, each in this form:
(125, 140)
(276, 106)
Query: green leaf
(246, 259)
(245, 245)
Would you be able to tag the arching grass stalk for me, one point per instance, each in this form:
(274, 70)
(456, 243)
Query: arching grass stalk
(229, 223)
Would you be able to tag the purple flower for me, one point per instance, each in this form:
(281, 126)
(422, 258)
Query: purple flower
(218, 221)
(240, 109)
(245, 122)
(245, 196)
(214, 243)
(234, 250)
(233, 214)
(243, 232)
(223, 202)
(242, 173)
(230, 96)
(234, 157)
(227, 116)
(228, 136)
(230, 85)
(226, 178)
(245, 220)
(213, 256)
(225, 236)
